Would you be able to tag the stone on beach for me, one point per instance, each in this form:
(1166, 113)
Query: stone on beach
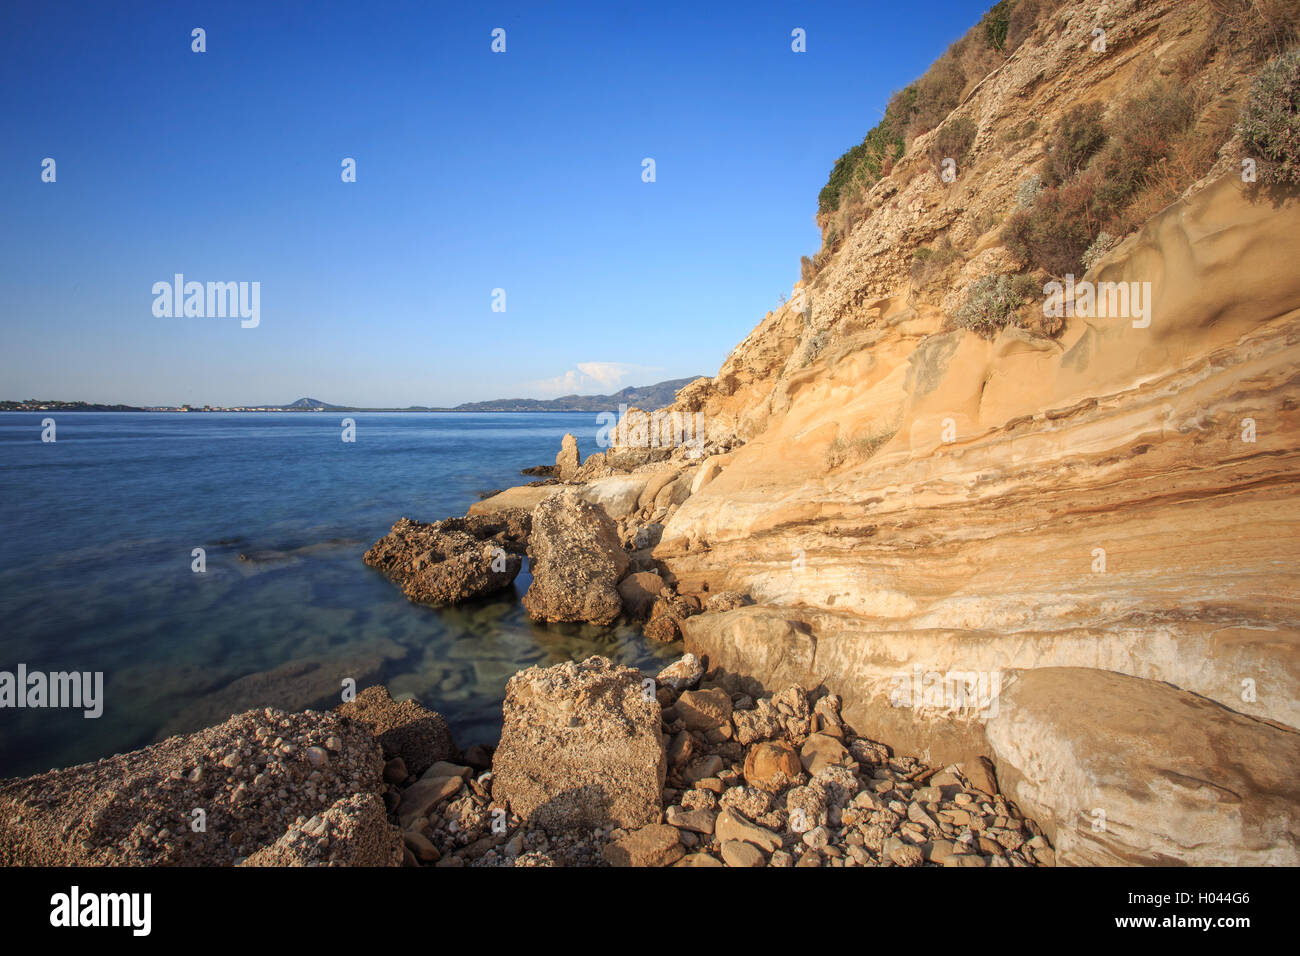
(568, 459)
(654, 845)
(252, 778)
(681, 674)
(581, 747)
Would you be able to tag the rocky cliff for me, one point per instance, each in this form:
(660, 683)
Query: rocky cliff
(1097, 515)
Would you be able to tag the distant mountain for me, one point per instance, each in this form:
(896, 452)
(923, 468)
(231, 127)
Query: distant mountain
(310, 403)
(647, 397)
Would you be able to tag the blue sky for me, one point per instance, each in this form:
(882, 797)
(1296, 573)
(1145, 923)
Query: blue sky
(475, 171)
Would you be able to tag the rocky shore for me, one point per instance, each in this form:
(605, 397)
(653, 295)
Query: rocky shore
(597, 765)
(593, 769)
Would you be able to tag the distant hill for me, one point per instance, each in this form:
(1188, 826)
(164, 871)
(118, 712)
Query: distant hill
(647, 397)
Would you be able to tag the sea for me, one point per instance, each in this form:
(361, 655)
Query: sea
(100, 571)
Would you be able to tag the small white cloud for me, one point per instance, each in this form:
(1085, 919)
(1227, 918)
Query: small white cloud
(607, 373)
(593, 378)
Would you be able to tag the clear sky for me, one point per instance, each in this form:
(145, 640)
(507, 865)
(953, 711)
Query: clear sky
(475, 170)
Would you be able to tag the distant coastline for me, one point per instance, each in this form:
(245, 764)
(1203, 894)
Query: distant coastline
(647, 396)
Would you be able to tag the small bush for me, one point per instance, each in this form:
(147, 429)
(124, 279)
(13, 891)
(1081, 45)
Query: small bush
(938, 93)
(953, 141)
(857, 450)
(1078, 137)
(1023, 20)
(1055, 232)
(807, 271)
(996, 23)
(1270, 120)
(1100, 246)
(1019, 132)
(994, 302)
(1259, 28)
(986, 221)
(1142, 132)
(1029, 191)
(930, 263)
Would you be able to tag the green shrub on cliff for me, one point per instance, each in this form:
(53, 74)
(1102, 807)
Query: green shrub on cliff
(1112, 175)
(1270, 120)
(995, 24)
(994, 302)
(1077, 138)
(923, 105)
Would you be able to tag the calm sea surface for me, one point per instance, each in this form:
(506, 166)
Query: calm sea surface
(95, 569)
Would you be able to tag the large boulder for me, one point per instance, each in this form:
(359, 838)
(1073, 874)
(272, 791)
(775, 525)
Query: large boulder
(576, 561)
(617, 494)
(567, 460)
(581, 747)
(1121, 770)
(405, 729)
(639, 591)
(446, 562)
(251, 777)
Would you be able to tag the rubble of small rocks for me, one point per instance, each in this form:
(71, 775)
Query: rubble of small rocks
(264, 787)
(783, 781)
(353, 832)
(775, 781)
(446, 562)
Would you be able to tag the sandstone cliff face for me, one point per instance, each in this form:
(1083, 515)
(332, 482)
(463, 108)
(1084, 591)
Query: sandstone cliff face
(1117, 498)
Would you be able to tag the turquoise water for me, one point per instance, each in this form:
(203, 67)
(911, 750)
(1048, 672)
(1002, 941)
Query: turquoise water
(95, 569)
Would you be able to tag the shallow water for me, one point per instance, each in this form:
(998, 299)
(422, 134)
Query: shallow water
(95, 569)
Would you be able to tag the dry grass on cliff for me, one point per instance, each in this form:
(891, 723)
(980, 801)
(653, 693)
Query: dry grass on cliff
(856, 450)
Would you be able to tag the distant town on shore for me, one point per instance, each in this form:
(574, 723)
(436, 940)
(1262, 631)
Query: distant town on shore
(644, 396)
